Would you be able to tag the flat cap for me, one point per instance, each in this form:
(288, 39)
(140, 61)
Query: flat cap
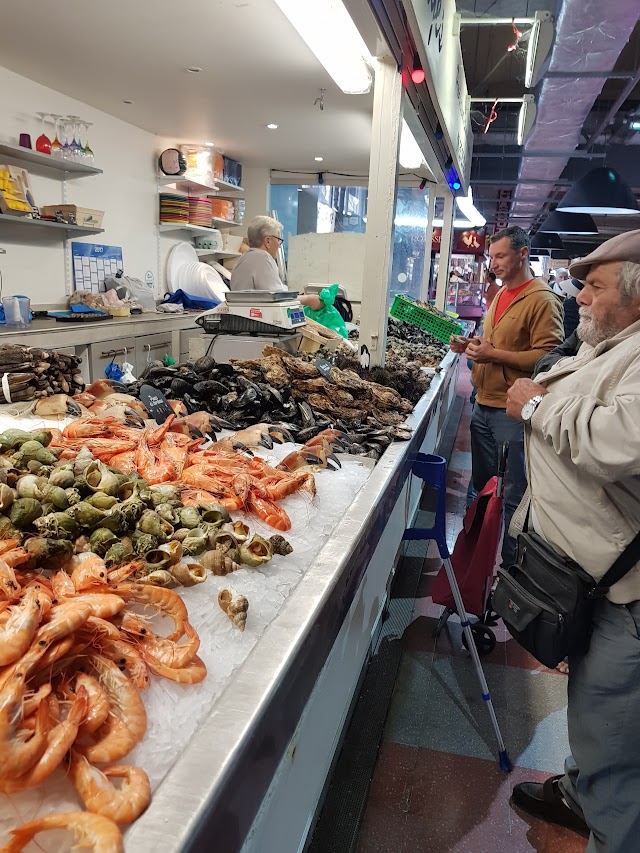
(623, 247)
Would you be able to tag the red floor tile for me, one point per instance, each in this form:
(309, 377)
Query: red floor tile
(453, 804)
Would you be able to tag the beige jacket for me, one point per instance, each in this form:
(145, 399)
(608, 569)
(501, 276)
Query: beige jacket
(583, 458)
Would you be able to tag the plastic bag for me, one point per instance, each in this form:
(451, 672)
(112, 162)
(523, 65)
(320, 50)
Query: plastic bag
(127, 377)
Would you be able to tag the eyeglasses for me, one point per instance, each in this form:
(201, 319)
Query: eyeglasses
(275, 237)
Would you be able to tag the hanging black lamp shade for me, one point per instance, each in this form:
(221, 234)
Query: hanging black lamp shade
(600, 192)
(561, 222)
(546, 242)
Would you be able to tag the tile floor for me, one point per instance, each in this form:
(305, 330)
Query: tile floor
(437, 787)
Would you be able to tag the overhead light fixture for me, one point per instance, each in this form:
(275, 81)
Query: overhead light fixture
(194, 69)
(127, 102)
(410, 156)
(318, 159)
(601, 192)
(329, 31)
(210, 144)
(272, 126)
(561, 222)
(540, 39)
(467, 208)
(421, 222)
(526, 116)
(544, 242)
(634, 125)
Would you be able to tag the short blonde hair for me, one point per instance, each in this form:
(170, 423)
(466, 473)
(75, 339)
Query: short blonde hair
(261, 227)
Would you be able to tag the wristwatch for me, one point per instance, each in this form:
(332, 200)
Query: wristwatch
(530, 406)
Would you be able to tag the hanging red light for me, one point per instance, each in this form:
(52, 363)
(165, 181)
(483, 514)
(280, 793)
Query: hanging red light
(417, 75)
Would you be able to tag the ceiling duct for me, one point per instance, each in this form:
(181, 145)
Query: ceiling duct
(584, 43)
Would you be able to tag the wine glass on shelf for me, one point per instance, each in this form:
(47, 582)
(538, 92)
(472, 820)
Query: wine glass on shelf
(88, 153)
(66, 143)
(43, 143)
(76, 152)
(56, 145)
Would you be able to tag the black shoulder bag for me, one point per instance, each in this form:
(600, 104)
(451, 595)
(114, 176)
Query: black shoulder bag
(547, 601)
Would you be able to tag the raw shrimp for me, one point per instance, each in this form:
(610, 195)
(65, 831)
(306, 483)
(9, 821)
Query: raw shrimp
(269, 511)
(59, 741)
(174, 448)
(90, 572)
(90, 831)
(192, 497)
(300, 481)
(8, 545)
(169, 653)
(88, 428)
(17, 634)
(100, 796)
(32, 700)
(164, 600)
(16, 557)
(192, 673)
(196, 476)
(9, 585)
(127, 721)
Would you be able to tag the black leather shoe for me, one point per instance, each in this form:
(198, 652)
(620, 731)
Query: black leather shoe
(545, 801)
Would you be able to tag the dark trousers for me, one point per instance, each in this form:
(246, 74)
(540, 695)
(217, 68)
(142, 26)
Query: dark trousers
(490, 428)
(602, 777)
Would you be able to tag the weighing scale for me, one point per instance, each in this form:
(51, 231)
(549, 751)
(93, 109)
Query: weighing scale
(248, 321)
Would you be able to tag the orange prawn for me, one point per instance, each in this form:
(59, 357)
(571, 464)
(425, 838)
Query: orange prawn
(269, 511)
(90, 572)
(89, 830)
(100, 796)
(193, 673)
(166, 601)
(17, 634)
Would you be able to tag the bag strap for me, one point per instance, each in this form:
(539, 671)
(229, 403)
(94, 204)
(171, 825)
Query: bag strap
(625, 562)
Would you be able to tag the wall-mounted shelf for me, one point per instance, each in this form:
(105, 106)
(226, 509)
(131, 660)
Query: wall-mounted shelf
(61, 227)
(207, 253)
(225, 189)
(174, 226)
(27, 155)
(184, 186)
(224, 223)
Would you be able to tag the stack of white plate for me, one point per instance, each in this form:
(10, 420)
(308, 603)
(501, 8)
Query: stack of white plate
(185, 272)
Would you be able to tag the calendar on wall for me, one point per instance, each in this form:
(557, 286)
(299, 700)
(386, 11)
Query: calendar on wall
(92, 263)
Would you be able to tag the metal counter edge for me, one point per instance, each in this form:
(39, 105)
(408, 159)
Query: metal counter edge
(214, 791)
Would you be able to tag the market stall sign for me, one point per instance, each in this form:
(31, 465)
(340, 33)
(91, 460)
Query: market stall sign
(464, 242)
(441, 56)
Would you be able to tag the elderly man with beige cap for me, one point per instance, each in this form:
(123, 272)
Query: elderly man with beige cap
(582, 422)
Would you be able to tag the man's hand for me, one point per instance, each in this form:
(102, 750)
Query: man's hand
(520, 393)
(481, 351)
(458, 344)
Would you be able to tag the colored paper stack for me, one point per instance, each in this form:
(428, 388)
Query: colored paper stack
(200, 211)
(174, 209)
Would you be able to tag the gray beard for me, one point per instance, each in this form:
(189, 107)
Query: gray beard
(592, 333)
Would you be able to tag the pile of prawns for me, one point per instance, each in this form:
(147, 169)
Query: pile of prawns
(217, 473)
(73, 660)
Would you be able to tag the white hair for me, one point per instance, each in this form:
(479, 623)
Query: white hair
(261, 227)
(562, 272)
(629, 282)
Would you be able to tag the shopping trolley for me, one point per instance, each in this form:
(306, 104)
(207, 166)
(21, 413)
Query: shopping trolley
(433, 470)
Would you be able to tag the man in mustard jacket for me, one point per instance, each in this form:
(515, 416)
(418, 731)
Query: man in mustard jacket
(523, 323)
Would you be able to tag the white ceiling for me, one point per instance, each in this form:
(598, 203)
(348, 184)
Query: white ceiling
(256, 70)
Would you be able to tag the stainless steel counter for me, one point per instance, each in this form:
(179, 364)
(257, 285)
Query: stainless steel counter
(215, 795)
(50, 333)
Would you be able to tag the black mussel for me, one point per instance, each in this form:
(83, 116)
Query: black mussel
(192, 405)
(204, 364)
(226, 369)
(306, 414)
(220, 423)
(188, 374)
(179, 387)
(209, 388)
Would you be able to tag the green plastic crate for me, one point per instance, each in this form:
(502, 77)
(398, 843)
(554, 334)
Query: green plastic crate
(407, 311)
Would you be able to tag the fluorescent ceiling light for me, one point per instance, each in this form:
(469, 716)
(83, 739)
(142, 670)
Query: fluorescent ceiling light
(318, 159)
(329, 31)
(468, 209)
(526, 118)
(410, 156)
(634, 125)
(540, 40)
(272, 126)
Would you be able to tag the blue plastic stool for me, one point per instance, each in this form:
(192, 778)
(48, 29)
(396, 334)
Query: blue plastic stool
(433, 470)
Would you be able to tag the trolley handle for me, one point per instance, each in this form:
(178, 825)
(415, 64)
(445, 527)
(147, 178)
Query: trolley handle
(503, 453)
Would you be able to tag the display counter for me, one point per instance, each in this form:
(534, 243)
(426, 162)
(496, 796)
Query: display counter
(252, 776)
